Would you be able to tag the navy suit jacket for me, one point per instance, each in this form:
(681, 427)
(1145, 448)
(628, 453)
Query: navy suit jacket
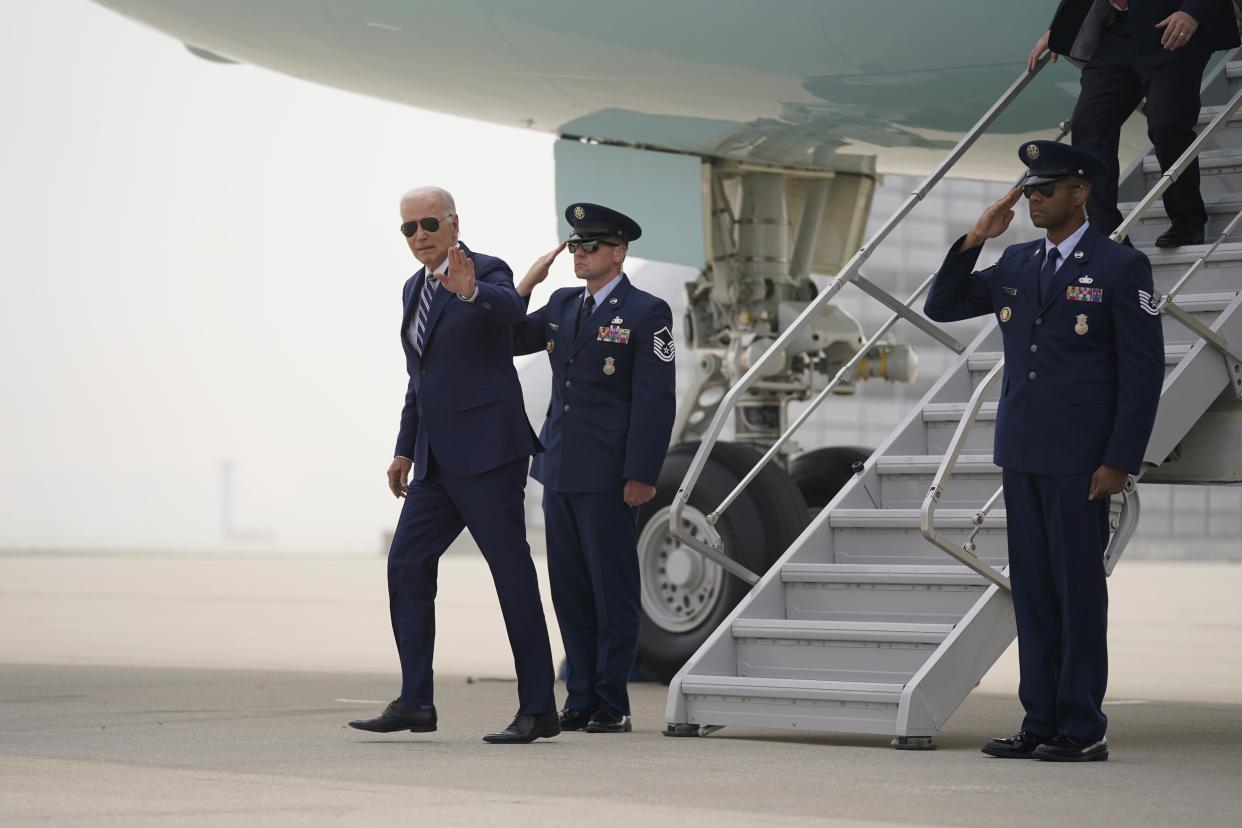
(613, 402)
(463, 400)
(1218, 28)
(1083, 368)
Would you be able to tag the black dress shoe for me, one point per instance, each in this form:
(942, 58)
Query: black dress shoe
(1021, 746)
(607, 720)
(526, 729)
(574, 719)
(399, 716)
(1177, 236)
(1069, 749)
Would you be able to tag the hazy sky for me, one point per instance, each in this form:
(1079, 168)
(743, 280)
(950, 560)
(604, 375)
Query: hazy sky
(201, 263)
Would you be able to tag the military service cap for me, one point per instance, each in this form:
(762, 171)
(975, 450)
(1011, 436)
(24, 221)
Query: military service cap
(592, 221)
(1049, 161)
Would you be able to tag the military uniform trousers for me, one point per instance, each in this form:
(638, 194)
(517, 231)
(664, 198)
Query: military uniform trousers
(1057, 540)
(1114, 81)
(593, 569)
(492, 506)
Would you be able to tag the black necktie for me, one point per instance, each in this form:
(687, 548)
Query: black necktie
(584, 310)
(1045, 275)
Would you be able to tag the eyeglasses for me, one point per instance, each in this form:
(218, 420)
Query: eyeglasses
(1046, 190)
(588, 246)
(431, 224)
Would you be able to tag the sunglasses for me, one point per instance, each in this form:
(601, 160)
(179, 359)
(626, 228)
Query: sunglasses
(431, 224)
(1046, 190)
(588, 246)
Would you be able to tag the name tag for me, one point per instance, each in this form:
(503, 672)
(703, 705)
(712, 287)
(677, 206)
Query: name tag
(612, 333)
(1009, 291)
(1074, 293)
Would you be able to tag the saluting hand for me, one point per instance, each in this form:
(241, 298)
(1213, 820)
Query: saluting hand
(1178, 27)
(1041, 46)
(538, 271)
(637, 493)
(459, 278)
(994, 221)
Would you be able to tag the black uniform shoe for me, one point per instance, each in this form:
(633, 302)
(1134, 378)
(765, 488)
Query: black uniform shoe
(574, 719)
(607, 720)
(526, 729)
(399, 716)
(1069, 749)
(1021, 746)
(1177, 236)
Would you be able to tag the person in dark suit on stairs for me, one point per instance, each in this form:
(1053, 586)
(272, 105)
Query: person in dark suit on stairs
(1131, 50)
(1084, 365)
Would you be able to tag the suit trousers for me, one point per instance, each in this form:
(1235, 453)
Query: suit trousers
(1113, 83)
(1057, 540)
(492, 506)
(593, 570)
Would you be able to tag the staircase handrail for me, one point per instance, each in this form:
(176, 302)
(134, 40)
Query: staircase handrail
(850, 272)
(927, 514)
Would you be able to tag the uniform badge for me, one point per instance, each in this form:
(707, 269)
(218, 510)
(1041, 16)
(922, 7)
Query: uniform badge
(1148, 303)
(1085, 280)
(579, 213)
(1009, 291)
(609, 368)
(1032, 151)
(1074, 293)
(554, 326)
(662, 345)
(1005, 314)
(613, 333)
(1078, 254)
(1081, 327)
(616, 320)
(551, 345)
(614, 300)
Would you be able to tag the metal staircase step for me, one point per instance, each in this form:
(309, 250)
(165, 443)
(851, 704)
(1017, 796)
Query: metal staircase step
(952, 412)
(855, 651)
(778, 629)
(841, 706)
(1218, 170)
(905, 479)
(812, 573)
(909, 518)
(1208, 113)
(983, 361)
(894, 464)
(1222, 272)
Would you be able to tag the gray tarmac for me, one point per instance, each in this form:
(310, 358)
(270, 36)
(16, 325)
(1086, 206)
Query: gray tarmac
(214, 690)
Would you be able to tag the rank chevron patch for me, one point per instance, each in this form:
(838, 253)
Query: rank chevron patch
(662, 345)
(1148, 303)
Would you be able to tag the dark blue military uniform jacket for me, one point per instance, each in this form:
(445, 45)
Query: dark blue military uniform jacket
(464, 400)
(1083, 368)
(613, 389)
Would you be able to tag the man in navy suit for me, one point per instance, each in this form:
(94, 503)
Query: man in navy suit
(1134, 50)
(465, 434)
(609, 422)
(1084, 364)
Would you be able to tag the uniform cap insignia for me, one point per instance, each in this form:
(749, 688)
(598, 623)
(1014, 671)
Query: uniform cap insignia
(1032, 151)
(579, 213)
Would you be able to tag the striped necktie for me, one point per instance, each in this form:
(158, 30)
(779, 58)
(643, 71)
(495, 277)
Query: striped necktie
(430, 283)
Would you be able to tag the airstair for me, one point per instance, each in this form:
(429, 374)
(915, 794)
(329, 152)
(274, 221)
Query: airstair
(894, 602)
